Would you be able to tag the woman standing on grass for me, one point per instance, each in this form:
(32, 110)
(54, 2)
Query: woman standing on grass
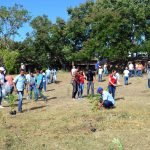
(112, 83)
(81, 84)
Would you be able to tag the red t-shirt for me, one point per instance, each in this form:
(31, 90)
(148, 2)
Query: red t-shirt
(113, 79)
(81, 79)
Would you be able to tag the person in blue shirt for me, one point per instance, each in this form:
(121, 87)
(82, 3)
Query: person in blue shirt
(32, 85)
(107, 99)
(39, 85)
(19, 86)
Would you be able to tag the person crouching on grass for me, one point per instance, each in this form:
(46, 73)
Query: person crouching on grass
(107, 99)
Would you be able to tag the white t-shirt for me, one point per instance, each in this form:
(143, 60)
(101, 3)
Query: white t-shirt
(126, 73)
(131, 67)
(100, 71)
(117, 76)
(73, 71)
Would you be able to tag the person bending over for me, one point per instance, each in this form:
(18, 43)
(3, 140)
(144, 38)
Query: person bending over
(107, 99)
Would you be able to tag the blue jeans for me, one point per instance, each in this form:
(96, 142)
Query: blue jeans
(126, 80)
(131, 73)
(80, 90)
(112, 90)
(148, 83)
(20, 99)
(39, 93)
(107, 104)
(33, 89)
(44, 86)
(48, 79)
(100, 77)
(139, 73)
(90, 84)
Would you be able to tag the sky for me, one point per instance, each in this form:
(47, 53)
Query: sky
(51, 8)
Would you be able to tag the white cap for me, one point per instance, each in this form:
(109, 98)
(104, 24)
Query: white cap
(2, 69)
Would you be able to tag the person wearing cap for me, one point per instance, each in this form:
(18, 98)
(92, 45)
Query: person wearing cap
(107, 99)
(2, 78)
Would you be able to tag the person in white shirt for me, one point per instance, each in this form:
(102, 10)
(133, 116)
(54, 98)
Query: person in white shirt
(73, 70)
(48, 75)
(118, 77)
(126, 76)
(131, 69)
(100, 74)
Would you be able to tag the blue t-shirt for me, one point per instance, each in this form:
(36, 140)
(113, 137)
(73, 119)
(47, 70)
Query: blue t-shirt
(39, 80)
(107, 96)
(20, 82)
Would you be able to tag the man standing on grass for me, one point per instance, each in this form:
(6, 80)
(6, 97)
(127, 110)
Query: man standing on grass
(126, 73)
(39, 85)
(2, 78)
(19, 86)
(48, 74)
(90, 76)
(107, 99)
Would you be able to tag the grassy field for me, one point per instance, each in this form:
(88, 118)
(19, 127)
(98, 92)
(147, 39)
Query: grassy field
(64, 124)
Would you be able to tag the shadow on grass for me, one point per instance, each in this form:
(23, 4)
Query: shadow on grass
(50, 90)
(57, 82)
(119, 98)
(33, 108)
(48, 99)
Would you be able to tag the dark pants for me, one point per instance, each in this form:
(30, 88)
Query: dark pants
(90, 84)
(108, 104)
(112, 90)
(1, 95)
(148, 83)
(75, 89)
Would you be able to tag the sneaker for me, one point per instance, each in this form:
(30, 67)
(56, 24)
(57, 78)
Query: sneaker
(1, 106)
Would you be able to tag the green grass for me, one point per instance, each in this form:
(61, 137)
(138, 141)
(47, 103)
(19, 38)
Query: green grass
(64, 124)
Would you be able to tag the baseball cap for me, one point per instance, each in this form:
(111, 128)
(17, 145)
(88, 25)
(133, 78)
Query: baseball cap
(99, 89)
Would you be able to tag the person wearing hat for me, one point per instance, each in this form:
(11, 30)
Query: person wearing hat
(107, 99)
(2, 78)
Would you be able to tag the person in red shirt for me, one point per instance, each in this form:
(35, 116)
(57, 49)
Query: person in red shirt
(81, 84)
(112, 83)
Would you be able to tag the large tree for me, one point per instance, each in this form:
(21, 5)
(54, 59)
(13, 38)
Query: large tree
(11, 20)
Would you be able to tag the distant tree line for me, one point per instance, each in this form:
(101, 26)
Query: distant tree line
(103, 29)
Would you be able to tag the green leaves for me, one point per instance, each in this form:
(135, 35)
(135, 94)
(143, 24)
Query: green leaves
(9, 59)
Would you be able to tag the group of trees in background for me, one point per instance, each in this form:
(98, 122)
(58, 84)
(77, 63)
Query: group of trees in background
(103, 28)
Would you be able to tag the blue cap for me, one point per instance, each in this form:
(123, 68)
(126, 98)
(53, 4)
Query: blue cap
(99, 89)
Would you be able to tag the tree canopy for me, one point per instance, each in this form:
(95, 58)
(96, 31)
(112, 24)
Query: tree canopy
(103, 29)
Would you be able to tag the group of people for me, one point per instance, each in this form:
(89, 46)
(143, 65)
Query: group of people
(32, 82)
(108, 96)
